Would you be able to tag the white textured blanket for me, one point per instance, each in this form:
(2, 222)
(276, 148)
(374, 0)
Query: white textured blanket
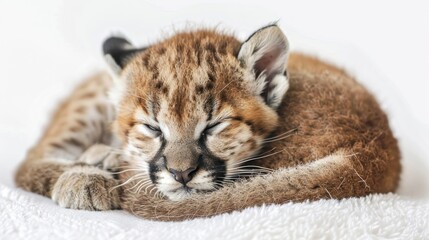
(29, 216)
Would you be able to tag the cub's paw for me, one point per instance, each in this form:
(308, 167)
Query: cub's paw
(102, 156)
(87, 188)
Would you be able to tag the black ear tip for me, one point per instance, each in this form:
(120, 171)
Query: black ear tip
(270, 25)
(114, 44)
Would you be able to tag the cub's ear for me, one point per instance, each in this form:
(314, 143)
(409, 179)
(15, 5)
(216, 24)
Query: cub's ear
(118, 51)
(264, 54)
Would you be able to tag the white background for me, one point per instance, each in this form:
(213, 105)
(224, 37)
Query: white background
(46, 47)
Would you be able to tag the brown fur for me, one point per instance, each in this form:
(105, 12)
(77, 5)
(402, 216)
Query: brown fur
(200, 85)
(335, 117)
(327, 139)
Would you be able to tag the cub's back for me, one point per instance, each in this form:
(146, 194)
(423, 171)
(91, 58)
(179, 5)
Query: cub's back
(326, 110)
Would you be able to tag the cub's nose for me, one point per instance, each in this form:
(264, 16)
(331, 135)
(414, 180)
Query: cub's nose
(183, 176)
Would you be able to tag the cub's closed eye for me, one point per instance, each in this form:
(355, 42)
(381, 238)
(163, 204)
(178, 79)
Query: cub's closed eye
(152, 128)
(215, 128)
(149, 130)
(212, 126)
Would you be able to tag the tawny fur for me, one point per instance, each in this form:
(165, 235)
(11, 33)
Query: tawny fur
(338, 145)
(343, 147)
(59, 166)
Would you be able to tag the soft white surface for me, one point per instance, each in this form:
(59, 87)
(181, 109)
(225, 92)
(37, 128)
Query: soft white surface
(47, 47)
(383, 216)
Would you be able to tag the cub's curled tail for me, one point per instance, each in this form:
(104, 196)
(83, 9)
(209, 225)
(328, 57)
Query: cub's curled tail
(336, 176)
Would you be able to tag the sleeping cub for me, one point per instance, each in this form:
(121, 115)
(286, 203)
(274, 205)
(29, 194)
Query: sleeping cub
(202, 111)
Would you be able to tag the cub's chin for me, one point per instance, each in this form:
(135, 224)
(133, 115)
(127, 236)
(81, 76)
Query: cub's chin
(183, 192)
(180, 193)
(201, 182)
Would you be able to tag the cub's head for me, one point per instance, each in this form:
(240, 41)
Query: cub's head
(193, 108)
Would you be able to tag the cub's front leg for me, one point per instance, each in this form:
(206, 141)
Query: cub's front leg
(90, 183)
(73, 163)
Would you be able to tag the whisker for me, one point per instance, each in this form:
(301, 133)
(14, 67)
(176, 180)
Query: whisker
(146, 188)
(217, 183)
(218, 186)
(234, 180)
(272, 149)
(251, 167)
(255, 158)
(150, 192)
(128, 180)
(248, 171)
(228, 183)
(280, 135)
(128, 170)
(145, 184)
(258, 155)
(137, 185)
(245, 174)
(138, 189)
(242, 174)
(224, 88)
(159, 194)
(278, 139)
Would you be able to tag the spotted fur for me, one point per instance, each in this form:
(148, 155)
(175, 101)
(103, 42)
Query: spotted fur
(201, 111)
(199, 100)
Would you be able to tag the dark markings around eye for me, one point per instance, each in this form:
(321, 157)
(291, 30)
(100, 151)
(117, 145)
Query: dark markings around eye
(154, 164)
(153, 169)
(209, 107)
